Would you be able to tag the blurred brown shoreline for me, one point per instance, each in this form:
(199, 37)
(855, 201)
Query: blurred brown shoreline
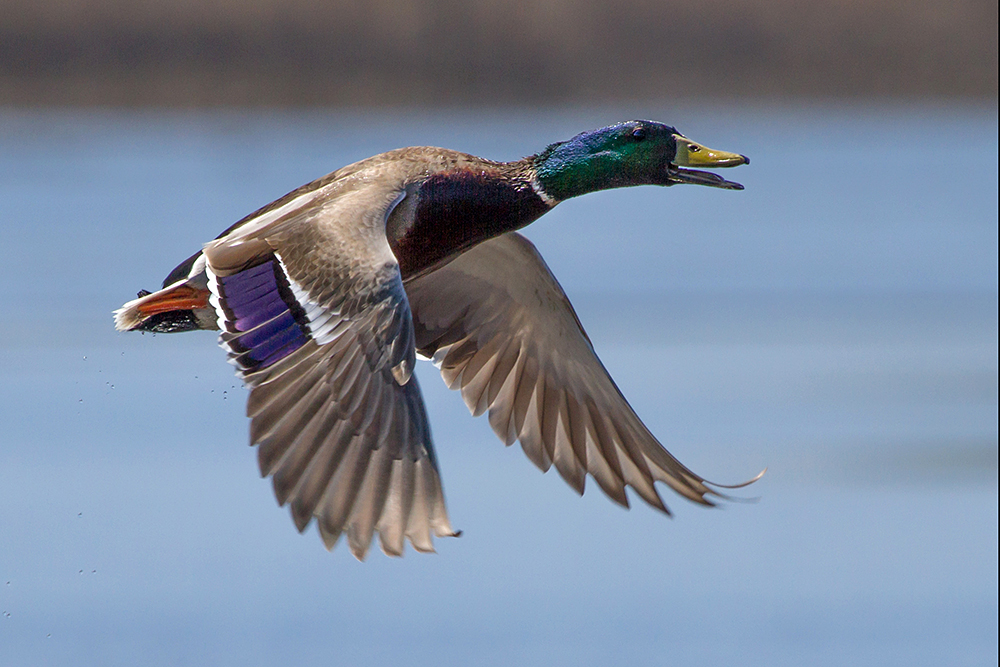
(450, 52)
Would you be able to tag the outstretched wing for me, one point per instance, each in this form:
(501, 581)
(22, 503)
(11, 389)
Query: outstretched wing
(502, 331)
(315, 318)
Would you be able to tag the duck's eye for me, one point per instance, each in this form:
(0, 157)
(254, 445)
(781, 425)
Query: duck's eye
(639, 133)
(693, 148)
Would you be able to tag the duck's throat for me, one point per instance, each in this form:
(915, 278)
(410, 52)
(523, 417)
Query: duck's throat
(453, 211)
(563, 172)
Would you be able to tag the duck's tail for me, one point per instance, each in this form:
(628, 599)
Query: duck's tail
(182, 306)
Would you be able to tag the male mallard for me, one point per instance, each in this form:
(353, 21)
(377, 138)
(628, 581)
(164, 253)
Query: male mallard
(324, 296)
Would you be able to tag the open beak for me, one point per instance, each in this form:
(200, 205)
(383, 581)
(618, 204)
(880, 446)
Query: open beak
(691, 154)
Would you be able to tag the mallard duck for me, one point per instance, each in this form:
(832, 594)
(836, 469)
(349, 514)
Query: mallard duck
(325, 296)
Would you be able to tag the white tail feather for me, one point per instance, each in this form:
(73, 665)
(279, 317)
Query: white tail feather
(128, 316)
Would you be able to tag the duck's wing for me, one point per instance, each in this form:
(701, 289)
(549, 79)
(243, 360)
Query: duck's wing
(315, 318)
(502, 331)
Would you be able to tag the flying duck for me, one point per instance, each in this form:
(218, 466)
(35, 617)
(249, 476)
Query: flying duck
(325, 296)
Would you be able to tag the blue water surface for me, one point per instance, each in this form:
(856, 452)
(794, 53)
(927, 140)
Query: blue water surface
(835, 322)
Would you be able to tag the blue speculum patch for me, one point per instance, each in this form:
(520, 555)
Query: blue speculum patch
(260, 302)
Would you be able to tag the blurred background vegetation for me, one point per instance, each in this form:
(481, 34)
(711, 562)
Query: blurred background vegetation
(195, 53)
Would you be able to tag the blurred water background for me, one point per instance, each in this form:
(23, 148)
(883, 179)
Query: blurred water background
(835, 322)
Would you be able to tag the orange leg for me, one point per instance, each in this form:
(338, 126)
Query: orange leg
(182, 297)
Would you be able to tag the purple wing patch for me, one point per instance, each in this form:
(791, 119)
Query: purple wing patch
(264, 320)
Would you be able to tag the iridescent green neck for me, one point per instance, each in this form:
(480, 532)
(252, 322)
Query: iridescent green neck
(573, 168)
(611, 157)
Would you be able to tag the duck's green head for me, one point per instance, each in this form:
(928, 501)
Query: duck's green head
(637, 152)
